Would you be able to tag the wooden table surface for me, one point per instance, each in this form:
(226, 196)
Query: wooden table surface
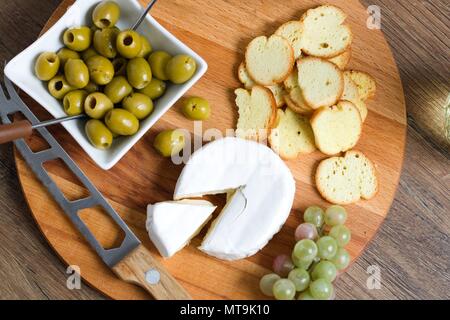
(412, 249)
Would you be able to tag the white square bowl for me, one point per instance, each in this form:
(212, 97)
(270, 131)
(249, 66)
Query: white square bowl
(20, 70)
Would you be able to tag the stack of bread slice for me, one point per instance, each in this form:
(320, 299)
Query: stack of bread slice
(298, 93)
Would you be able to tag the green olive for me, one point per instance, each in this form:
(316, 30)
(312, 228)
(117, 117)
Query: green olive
(196, 108)
(47, 66)
(118, 89)
(78, 39)
(101, 70)
(154, 89)
(91, 87)
(105, 42)
(65, 54)
(74, 102)
(98, 134)
(158, 61)
(181, 68)
(122, 122)
(169, 142)
(139, 73)
(146, 48)
(77, 73)
(138, 104)
(97, 105)
(90, 52)
(59, 87)
(129, 44)
(120, 66)
(106, 14)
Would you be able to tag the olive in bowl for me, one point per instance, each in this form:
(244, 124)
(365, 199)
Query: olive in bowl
(106, 14)
(138, 104)
(47, 66)
(97, 105)
(180, 69)
(122, 122)
(78, 39)
(98, 134)
(77, 73)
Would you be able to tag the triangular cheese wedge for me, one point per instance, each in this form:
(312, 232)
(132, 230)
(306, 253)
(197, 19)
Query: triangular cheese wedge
(172, 224)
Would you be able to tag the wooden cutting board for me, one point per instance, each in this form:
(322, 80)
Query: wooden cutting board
(219, 32)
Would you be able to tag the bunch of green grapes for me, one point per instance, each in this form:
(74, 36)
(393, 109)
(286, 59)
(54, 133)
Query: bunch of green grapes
(315, 260)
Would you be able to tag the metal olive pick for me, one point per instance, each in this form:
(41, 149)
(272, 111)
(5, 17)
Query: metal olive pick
(24, 128)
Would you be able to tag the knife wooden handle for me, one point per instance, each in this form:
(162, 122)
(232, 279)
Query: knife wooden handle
(16, 130)
(140, 268)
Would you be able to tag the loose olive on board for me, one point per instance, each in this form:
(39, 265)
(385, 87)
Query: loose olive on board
(106, 14)
(97, 105)
(146, 48)
(129, 44)
(73, 102)
(138, 104)
(120, 66)
(98, 134)
(90, 52)
(180, 68)
(169, 142)
(59, 87)
(77, 73)
(139, 73)
(155, 89)
(122, 122)
(158, 61)
(101, 70)
(47, 66)
(118, 89)
(105, 42)
(65, 54)
(77, 39)
(91, 87)
(196, 108)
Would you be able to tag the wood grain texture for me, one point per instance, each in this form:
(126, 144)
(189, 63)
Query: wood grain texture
(418, 219)
(144, 177)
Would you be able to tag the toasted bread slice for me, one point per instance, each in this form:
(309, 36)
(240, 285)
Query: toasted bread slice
(277, 90)
(295, 99)
(292, 135)
(321, 82)
(351, 94)
(343, 59)
(345, 180)
(257, 112)
(324, 34)
(292, 31)
(244, 77)
(337, 128)
(269, 60)
(365, 83)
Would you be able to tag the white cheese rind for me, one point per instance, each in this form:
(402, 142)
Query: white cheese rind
(257, 210)
(172, 224)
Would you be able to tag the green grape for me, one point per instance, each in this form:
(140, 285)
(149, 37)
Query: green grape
(321, 289)
(266, 283)
(305, 250)
(284, 289)
(342, 259)
(341, 234)
(335, 215)
(300, 278)
(305, 295)
(327, 247)
(324, 270)
(314, 215)
(302, 264)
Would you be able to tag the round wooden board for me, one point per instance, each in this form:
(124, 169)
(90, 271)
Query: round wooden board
(219, 32)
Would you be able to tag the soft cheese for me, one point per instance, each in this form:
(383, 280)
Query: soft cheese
(172, 224)
(257, 210)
